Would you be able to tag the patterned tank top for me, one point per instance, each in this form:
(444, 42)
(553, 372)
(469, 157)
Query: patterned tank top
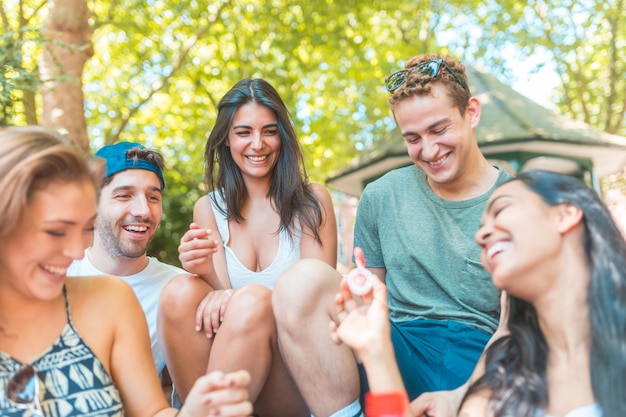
(72, 380)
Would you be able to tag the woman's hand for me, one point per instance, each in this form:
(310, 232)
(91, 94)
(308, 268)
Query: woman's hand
(210, 311)
(219, 394)
(196, 250)
(360, 326)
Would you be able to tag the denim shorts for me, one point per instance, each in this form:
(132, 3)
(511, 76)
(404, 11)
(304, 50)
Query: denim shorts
(434, 355)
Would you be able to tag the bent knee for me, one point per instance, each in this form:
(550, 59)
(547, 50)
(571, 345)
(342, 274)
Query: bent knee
(253, 298)
(302, 288)
(250, 307)
(181, 296)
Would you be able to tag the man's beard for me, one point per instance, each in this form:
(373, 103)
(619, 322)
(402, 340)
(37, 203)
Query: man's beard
(117, 246)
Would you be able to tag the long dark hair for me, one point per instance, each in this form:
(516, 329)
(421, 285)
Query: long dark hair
(290, 191)
(516, 364)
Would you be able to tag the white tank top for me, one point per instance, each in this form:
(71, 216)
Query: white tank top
(288, 252)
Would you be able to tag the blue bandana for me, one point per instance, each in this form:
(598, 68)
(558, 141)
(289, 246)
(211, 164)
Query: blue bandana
(115, 157)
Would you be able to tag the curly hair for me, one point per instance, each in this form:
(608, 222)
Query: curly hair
(418, 84)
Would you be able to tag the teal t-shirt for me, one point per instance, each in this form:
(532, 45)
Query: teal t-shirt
(427, 246)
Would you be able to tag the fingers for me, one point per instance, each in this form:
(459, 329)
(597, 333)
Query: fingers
(200, 316)
(219, 380)
(359, 257)
(344, 289)
(196, 250)
(239, 378)
(379, 291)
(211, 310)
(215, 315)
(227, 294)
(434, 404)
(222, 394)
(332, 331)
(194, 232)
(241, 409)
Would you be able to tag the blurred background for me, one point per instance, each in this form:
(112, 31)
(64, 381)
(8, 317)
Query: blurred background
(152, 71)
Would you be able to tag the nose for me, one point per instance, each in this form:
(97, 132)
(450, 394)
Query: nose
(75, 246)
(257, 140)
(140, 207)
(482, 234)
(430, 149)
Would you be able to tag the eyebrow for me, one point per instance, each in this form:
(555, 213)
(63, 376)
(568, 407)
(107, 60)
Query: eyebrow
(491, 203)
(68, 222)
(130, 188)
(429, 127)
(250, 127)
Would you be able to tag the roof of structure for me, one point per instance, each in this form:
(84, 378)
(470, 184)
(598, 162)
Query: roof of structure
(510, 123)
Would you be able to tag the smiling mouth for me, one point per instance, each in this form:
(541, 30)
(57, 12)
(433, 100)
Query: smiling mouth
(55, 270)
(497, 248)
(140, 229)
(257, 158)
(438, 161)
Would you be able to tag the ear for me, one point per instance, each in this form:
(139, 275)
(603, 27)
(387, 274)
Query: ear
(473, 112)
(568, 217)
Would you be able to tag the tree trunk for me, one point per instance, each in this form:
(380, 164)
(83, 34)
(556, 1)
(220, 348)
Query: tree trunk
(67, 48)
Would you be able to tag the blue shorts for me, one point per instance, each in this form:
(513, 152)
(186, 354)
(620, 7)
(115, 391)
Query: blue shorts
(434, 355)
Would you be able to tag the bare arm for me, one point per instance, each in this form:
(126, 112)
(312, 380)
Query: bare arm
(327, 251)
(110, 318)
(114, 326)
(201, 249)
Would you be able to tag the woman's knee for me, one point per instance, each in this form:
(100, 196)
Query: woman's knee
(249, 308)
(181, 296)
(303, 287)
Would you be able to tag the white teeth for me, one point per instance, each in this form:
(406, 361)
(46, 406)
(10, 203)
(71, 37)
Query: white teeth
(136, 228)
(497, 248)
(438, 161)
(257, 158)
(55, 270)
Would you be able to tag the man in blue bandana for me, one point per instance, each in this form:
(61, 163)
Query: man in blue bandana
(129, 214)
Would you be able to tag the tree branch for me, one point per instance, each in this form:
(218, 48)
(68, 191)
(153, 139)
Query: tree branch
(161, 83)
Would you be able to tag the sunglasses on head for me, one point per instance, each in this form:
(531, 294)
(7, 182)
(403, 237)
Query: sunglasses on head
(23, 390)
(429, 68)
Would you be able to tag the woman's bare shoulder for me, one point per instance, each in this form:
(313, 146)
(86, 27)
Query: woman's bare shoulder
(203, 212)
(99, 290)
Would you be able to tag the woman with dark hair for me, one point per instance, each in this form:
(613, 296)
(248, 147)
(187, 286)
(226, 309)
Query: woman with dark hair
(551, 244)
(260, 216)
(74, 346)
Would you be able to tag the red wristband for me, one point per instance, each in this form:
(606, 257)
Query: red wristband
(386, 404)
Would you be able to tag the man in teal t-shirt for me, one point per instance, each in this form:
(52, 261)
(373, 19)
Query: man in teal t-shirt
(416, 226)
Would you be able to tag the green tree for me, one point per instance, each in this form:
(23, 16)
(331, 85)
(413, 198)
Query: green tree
(19, 38)
(160, 67)
(582, 40)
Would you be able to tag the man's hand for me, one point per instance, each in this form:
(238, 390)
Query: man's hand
(438, 403)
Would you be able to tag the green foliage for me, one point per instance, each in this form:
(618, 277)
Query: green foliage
(583, 41)
(161, 66)
(17, 72)
(167, 67)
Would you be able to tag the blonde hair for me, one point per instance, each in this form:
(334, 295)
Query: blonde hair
(32, 157)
